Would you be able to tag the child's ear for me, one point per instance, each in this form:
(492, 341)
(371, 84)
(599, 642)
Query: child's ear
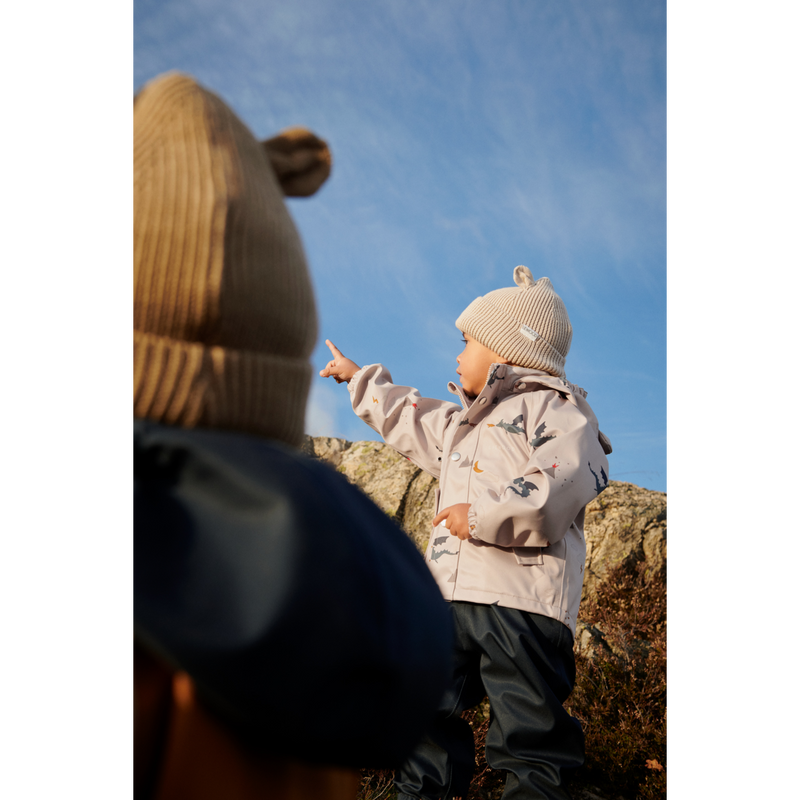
(300, 159)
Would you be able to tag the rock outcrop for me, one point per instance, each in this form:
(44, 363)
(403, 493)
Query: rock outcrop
(394, 484)
(623, 523)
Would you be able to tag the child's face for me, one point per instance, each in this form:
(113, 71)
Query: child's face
(474, 364)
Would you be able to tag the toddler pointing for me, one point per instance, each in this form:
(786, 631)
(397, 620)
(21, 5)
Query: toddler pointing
(517, 458)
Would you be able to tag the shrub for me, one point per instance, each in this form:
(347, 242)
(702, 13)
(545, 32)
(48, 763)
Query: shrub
(620, 694)
(377, 785)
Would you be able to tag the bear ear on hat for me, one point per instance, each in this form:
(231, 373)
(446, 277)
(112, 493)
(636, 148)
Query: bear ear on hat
(300, 159)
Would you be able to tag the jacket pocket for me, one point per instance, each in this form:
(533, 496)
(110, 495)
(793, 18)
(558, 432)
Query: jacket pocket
(528, 556)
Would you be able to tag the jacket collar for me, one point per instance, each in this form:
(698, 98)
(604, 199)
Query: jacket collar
(505, 379)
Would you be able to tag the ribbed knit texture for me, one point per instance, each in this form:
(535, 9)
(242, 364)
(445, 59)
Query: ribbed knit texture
(224, 314)
(498, 321)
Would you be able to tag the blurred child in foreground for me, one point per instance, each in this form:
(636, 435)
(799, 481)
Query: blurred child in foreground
(286, 631)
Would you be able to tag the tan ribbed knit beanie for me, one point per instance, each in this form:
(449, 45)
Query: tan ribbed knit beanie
(224, 313)
(527, 324)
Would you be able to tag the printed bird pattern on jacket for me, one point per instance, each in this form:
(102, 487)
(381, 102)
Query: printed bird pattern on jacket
(524, 486)
(441, 541)
(598, 485)
(515, 426)
(437, 554)
(538, 436)
(493, 376)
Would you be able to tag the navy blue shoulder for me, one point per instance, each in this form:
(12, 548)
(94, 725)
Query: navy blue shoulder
(290, 598)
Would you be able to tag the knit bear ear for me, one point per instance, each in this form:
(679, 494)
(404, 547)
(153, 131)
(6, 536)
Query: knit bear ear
(300, 159)
(523, 276)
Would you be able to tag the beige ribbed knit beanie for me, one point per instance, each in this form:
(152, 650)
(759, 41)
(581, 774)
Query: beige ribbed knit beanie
(224, 313)
(527, 324)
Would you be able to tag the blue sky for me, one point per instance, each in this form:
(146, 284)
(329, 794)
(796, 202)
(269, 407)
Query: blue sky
(467, 138)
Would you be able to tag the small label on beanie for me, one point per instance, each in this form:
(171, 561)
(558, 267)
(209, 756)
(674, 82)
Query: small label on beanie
(530, 333)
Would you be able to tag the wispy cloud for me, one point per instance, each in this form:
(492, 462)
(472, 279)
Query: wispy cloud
(467, 138)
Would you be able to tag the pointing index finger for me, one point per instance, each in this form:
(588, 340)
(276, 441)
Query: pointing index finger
(332, 347)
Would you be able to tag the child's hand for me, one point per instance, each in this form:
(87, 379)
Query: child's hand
(456, 520)
(339, 368)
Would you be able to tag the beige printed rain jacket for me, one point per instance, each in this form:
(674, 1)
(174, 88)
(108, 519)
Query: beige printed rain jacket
(527, 455)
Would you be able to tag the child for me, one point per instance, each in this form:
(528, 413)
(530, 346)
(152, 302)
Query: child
(270, 597)
(517, 460)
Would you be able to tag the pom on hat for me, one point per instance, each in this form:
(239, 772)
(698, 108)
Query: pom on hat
(527, 324)
(523, 276)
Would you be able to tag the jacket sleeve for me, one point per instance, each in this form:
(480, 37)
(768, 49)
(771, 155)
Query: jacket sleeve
(563, 473)
(413, 425)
